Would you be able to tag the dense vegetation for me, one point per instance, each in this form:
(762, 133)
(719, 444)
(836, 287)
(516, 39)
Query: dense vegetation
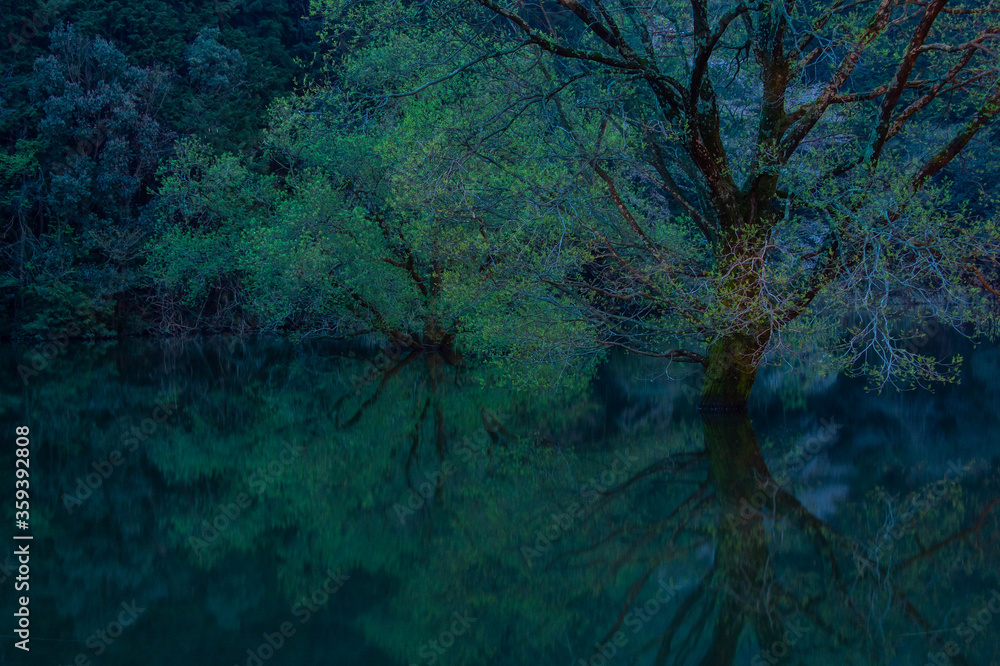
(93, 100)
(709, 183)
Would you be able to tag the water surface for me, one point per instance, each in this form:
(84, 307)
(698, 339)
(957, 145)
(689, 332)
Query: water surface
(240, 503)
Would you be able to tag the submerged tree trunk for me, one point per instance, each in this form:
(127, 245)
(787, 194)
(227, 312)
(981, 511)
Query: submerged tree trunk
(744, 572)
(731, 371)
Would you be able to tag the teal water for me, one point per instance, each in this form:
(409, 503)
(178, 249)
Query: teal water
(239, 503)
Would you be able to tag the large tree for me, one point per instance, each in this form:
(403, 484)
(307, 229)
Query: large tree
(735, 170)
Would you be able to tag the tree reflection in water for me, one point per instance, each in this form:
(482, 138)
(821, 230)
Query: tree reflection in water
(677, 509)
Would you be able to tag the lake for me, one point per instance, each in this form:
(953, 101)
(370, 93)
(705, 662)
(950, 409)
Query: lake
(257, 502)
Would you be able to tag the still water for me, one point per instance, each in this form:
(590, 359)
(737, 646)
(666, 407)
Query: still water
(247, 503)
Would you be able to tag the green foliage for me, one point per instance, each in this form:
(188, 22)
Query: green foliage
(528, 188)
(360, 226)
(93, 96)
(211, 66)
(682, 190)
(76, 190)
(200, 206)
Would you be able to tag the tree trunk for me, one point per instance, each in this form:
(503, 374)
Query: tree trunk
(731, 371)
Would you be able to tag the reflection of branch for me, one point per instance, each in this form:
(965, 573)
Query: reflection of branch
(417, 427)
(925, 552)
(586, 549)
(389, 374)
(668, 463)
(824, 535)
(827, 534)
(691, 514)
(682, 614)
(439, 428)
(492, 425)
(649, 531)
(633, 593)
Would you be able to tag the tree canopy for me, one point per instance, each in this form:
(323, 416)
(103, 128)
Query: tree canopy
(721, 184)
(739, 176)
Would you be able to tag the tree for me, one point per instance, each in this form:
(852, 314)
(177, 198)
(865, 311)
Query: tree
(744, 176)
(351, 224)
(78, 185)
(92, 95)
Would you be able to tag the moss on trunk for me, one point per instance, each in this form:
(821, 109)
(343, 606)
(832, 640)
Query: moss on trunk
(731, 371)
